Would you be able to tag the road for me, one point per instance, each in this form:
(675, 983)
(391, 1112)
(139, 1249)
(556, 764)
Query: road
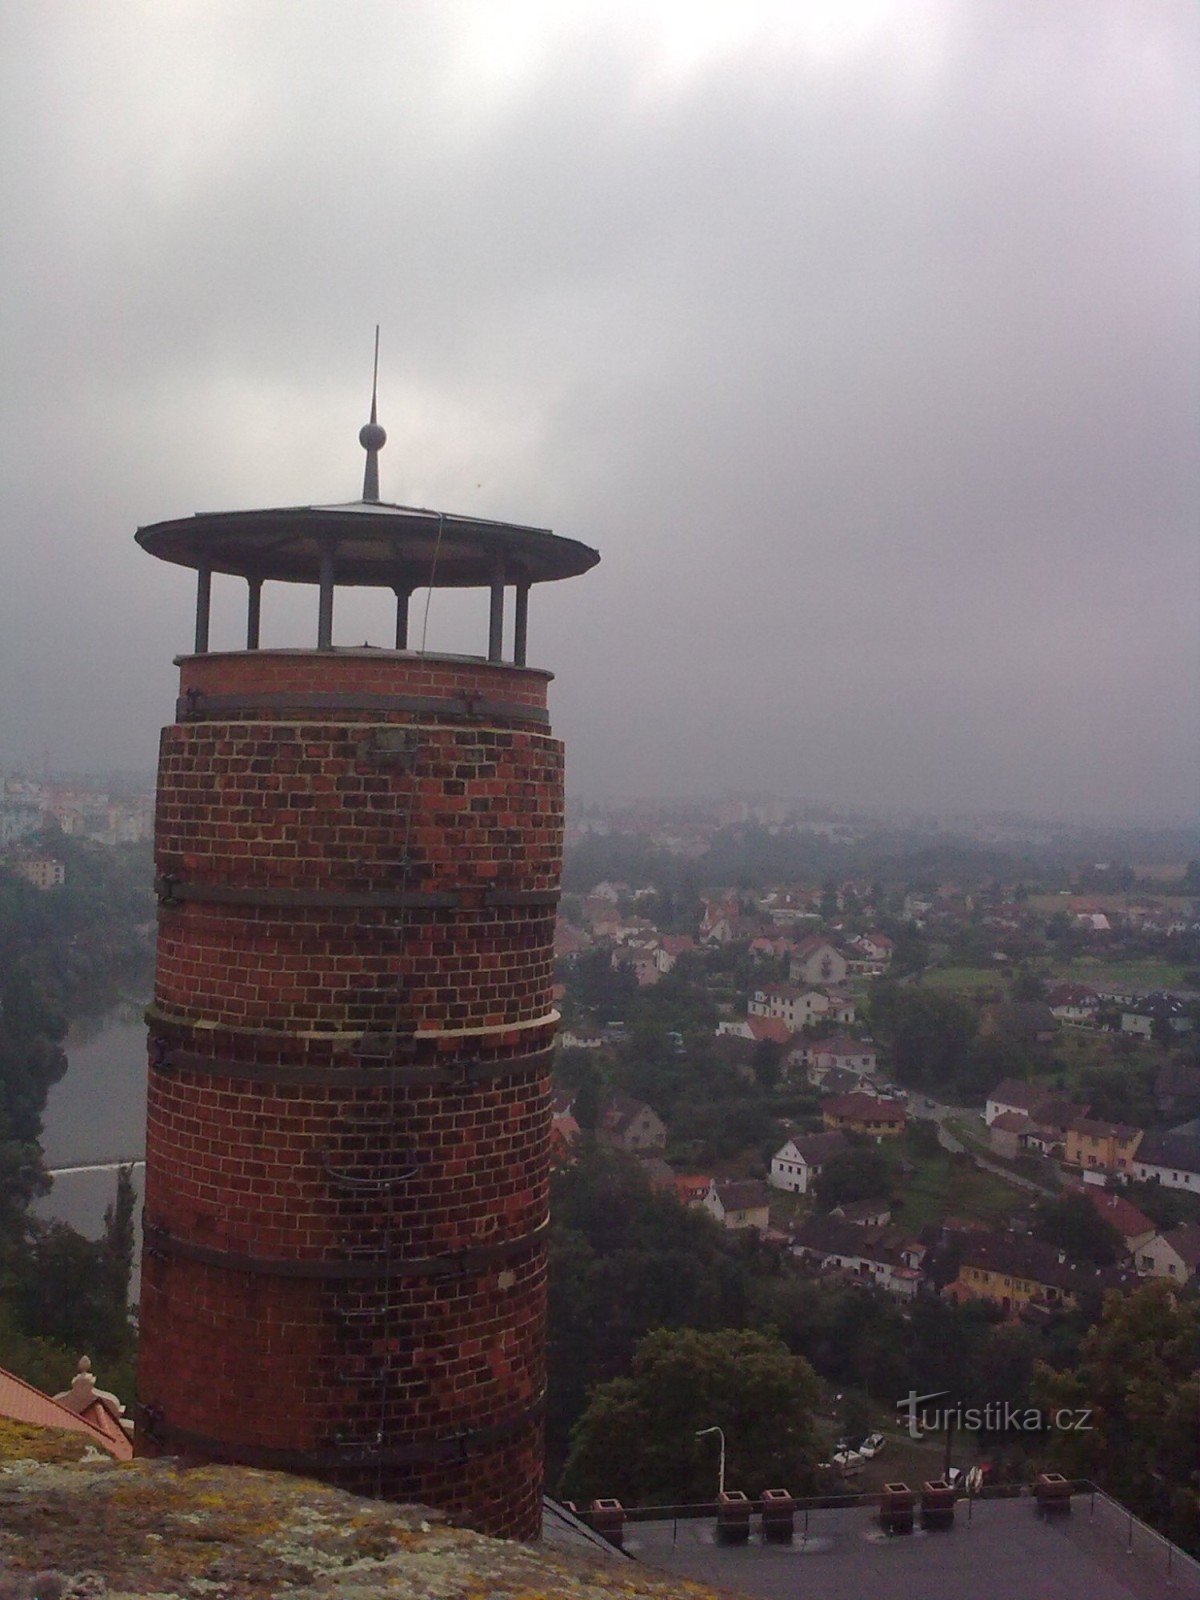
(931, 1111)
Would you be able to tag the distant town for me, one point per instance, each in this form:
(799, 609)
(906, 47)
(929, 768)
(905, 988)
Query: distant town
(1087, 994)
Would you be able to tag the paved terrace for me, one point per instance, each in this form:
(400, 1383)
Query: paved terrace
(998, 1549)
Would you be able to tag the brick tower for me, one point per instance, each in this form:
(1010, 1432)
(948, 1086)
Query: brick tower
(357, 857)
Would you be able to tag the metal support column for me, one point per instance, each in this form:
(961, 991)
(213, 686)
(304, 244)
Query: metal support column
(203, 605)
(496, 614)
(521, 622)
(325, 606)
(402, 598)
(253, 612)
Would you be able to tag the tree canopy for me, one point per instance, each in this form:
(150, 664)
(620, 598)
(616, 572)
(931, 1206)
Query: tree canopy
(637, 1439)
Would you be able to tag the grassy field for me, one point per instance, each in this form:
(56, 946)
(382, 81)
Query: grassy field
(1141, 973)
(942, 1187)
(965, 980)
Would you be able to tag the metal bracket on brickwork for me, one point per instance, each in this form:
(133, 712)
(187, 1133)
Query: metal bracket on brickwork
(393, 747)
(376, 1184)
(389, 1047)
(344, 1452)
(520, 897)
(164, 888)
(195, 704)
(459, 1263)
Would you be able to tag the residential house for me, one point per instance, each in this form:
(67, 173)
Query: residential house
(841, 1080)
(745, 1203)
(843, 1007)
(670, 947)
(1133, 1225)
(1174, 1255)
(851, 1055)
(21, 1402)
(817, 961)
(1101, 1146)
(691, 1188)
(43, 872)
(641, 960)
(1012, 1094)
(864, 1114)
(564, 1135)
(796, 1007)
(864, 1213)
(1005, 1133)
(1049, 1115)
(624, 1123)
(569, 940)
(876, 947)
(581, 1041)
(1170, 1159)
(1023, 1277)
(800, 1161)
(866, 1253)
(1074, 1003)
(757, 1028)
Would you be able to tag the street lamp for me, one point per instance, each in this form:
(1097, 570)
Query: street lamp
(720, 1432)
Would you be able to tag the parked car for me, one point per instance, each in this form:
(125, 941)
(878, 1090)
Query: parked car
(871, 1446)
(847, 1462)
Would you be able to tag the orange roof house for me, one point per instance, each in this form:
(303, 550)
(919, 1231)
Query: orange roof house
(83, 1409)
(863, 1113)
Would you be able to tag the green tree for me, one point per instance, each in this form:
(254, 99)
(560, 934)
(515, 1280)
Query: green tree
(637, 1438)
(1072, 1222)
(928, 1034)
(1137, 1380)
(860, 1173)
(118, 1241)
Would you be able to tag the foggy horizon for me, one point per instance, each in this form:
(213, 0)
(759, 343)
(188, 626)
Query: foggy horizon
(859, 338)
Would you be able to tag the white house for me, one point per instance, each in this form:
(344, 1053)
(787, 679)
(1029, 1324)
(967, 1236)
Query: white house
(1172, 1159)
(1174, 1255)
(743, 1204)
(817, 961)
(796, 1164)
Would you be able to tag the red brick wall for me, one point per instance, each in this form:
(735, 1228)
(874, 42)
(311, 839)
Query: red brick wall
(269, 1175)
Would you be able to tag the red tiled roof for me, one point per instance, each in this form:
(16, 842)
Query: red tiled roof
(862, 1106)
(1011, 1122)
(21, 1402)
(1123, 1214)
(774, 1028)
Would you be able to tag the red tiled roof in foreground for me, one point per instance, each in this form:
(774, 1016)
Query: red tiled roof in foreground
(21, 1402)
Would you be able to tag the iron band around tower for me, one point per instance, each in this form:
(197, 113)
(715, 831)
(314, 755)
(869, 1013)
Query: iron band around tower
(469, 1260)
(455, 1072)
(197, 706)
(458, 1446)
(172, 891)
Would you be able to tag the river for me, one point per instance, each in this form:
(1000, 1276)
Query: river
(96, 1113)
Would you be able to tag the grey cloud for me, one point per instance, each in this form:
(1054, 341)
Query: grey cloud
(871, 372)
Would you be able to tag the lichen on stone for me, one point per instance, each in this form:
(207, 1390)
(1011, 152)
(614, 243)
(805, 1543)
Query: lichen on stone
(158, 1530)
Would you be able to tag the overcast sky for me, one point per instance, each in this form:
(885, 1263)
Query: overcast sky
(860, 336)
